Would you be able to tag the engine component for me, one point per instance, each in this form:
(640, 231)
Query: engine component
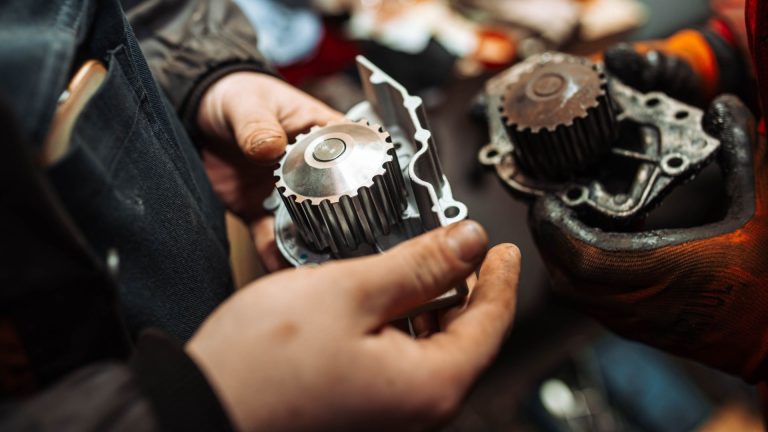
(342, 185)
(362, 186)
(560, 116)
(554, 115)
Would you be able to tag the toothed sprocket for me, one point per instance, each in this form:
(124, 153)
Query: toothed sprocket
(559, 115)
(342, 185)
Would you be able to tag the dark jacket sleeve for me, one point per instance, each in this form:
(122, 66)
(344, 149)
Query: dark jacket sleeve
(99, 397)
(161, 389)
(190, 44)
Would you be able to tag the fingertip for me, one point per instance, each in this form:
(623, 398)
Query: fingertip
(621, 57)
(265, 145)
(329, 114)
(502, 261)
(467, 240)
(418, 270)
(507, 251)
(263, 233)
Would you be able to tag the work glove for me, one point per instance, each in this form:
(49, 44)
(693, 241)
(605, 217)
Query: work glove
(693, 65)
(702, 292)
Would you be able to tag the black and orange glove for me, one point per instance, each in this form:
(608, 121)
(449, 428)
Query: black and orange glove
(702, 292)
(693, 65)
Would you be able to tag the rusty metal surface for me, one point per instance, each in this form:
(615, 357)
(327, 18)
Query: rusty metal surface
(560, 116)
(660, 144)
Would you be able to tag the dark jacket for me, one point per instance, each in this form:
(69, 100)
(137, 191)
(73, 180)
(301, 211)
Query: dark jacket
(122, 234)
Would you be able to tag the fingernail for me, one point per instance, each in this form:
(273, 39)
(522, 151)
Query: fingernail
(467, 240)
(265, 147)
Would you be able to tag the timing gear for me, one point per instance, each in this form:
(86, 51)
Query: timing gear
(352, 188)
(342, 185)
(560, 115)
(559, 126)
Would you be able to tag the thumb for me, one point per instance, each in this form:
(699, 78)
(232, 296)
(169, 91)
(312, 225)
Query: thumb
(257, 131)
(263, 113)
(414, 272)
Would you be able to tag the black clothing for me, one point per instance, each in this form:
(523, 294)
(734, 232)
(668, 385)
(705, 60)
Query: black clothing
(132, 188)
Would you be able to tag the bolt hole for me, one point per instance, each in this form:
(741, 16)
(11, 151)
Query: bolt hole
(452, 212)
(492, 154)
(675, 162)
(681, 115)
(653, 102)
(574, 194)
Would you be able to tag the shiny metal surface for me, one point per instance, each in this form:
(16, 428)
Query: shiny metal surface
(342, 185)
(351, 189)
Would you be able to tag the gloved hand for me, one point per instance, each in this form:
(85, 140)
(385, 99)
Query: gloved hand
(247, 120)
(692, 65)
(702, 292)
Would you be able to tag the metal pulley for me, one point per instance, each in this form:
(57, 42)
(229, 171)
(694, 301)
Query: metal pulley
(559, 125)
(361, 186)
(560, 116)
(342, 185)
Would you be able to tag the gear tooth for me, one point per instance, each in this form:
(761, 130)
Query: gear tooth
(579, 127)
(335, 123)
(383, 134)
(280, 183)
(342, 221)
(298, 138)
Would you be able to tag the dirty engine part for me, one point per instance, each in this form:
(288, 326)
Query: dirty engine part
(559, 125)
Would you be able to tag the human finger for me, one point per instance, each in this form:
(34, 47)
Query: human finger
(414, 272)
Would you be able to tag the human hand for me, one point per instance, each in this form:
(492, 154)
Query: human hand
(247, 119)
(310, 349)
(701, 292)
(692, 65)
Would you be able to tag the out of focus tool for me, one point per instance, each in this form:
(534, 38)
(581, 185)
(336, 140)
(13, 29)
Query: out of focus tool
(73, 100)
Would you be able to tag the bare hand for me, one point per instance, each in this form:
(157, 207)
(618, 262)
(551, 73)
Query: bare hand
(247, 119)
(310, 349)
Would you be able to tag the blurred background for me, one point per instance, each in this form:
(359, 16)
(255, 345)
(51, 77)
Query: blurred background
(558, 371)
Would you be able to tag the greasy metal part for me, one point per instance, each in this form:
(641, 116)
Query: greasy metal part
(560, 115)
(393, 183)
(342, 185)
(669, 145)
